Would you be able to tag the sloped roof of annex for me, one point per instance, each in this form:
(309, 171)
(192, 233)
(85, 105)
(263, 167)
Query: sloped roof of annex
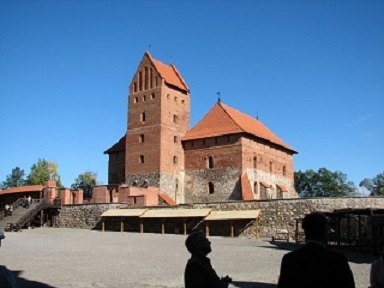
(224, 120)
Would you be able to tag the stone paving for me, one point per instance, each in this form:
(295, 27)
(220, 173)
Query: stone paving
(69, 258)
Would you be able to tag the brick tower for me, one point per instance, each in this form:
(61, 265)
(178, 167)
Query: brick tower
(158, 117)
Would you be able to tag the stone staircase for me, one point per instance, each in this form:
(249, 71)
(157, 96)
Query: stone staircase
(20, 215)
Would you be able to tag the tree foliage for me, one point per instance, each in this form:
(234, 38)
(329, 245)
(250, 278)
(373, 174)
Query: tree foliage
(375, 185)
(15, 179)
(42, 171)
(85, 181)
(323, 183)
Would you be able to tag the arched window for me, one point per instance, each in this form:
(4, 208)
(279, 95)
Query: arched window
(255, 162)
(255, 188)
(141, 138)
(210, 163)
(174, 159)
(140, 81)
(152, 96)
(211, 188)
(144, 98)
(142, 117)
(141, 159)
(146, 78)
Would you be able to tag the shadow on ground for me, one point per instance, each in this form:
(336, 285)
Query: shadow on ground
(243, 284)
(25, 283)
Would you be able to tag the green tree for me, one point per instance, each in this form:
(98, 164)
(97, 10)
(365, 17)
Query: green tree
(375, 185)
(85, 181)
(15, 179)
(323, 183)
(42, 171)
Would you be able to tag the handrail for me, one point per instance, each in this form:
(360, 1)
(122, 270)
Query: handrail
(27, 217)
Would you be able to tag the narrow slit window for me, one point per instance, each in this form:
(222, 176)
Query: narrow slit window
(211, 188)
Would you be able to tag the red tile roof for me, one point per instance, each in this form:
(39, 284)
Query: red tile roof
(224, 120)
(117, 147)
(169, 73)
(246, 189)
(282, 188)
(167, 199)
(22, 189)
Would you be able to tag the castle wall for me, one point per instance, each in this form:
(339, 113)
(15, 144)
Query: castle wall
(275, 214)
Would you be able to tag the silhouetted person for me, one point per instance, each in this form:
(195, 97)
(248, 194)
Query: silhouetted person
(377, 269)
(7, 279)
(314, 265)
(199, 272)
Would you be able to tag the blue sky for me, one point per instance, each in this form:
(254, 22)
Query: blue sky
(313, 71)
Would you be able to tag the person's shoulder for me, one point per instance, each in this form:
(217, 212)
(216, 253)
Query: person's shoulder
(336, 254)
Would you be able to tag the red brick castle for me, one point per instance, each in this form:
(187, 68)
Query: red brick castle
(228, 155)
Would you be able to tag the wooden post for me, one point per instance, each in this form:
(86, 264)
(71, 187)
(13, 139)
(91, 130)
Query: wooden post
(103, 224)
(256, 227)
(185, 226)
(141, 226)
(206, 228)
(162, 226)
(122, 224)
(231, 233)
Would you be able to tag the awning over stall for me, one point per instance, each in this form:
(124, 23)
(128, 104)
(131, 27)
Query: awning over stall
(123, 212)
(232, 215)
(175, 213)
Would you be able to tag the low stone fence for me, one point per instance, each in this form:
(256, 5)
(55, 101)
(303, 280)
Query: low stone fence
(276, 214)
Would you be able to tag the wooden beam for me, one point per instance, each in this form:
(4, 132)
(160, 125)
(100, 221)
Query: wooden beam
(256, 227)
(231, 229)
(103, 224)
(206, 228)
(185, 226)
(141, 226)
(162, 226)
(122, 224)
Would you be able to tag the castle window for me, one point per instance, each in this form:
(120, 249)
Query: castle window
(150, 78)
(270, 166)
(142, 117)
(284, 170)
(167, 96)
(135, 87)
(174, 118)
(140, 81)
(141, 159)
(175, 99)
(152, 96)
(146, 78)
(174, 159)
(254, 162)
(210, 162)
(174, 139)
(141, 138)
(211, 188)
(144, 98)
(136, 99)
(182, 101)
(255, 188)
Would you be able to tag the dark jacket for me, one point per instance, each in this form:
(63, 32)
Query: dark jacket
(200, 274)
(315, 266)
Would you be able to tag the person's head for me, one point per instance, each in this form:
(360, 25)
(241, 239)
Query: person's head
(197, 243)
(315, 226)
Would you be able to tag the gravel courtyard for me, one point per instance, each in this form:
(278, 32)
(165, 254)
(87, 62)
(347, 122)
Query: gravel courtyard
(71, 258)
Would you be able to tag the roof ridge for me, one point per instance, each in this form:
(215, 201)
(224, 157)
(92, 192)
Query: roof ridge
(179, 76)
(229, 115)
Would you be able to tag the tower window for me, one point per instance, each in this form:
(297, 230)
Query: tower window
(210, 162)
(255, 188)
(183, 101)
(135, 87)
(144, 98)
(211, 188)
(140, 81)
(284, 170)
(141, 138)
(255, 162)
(174, 118)
(152, 96)
(174, 159)
(146, 78)
(175, 99)
(141, 159)
(270, 166)
(167, 96)
(142, 117)
(174, 139)
(135, 100)
(150, 78)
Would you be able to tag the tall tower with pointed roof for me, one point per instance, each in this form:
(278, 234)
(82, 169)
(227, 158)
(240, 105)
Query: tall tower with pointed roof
(158, 117)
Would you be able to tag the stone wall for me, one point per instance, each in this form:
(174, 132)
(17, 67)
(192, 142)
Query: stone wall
(276, 214)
